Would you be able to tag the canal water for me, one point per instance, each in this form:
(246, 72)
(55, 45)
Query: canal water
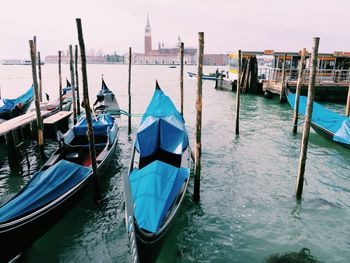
(248, 209)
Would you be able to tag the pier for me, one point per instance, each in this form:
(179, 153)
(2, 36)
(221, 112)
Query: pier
(330, 85)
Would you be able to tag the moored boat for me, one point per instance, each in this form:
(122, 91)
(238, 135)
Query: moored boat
(106, 101)
(158, 177)
(56, 188)
(14, 107)
(333, 126)
(207, 77)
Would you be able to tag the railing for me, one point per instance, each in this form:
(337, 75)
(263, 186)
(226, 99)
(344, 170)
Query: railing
(322, 75)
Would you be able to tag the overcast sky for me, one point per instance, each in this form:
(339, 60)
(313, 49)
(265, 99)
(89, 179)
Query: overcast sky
(114, 25)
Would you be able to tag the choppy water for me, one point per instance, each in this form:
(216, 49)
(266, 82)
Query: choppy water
(248, 209)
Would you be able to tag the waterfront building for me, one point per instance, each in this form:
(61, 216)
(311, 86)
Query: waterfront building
(162, 55)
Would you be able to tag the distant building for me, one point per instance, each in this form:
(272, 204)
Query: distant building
(162, 55)
(66, 59)
(215, 59)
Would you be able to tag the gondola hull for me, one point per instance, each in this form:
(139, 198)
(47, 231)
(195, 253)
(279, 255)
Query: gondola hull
(18, 234)
(158, 177)
(16, 111)
(325, 122)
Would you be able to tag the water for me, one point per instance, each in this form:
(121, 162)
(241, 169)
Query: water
(247, 210)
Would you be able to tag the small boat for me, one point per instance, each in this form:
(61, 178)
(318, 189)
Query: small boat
(52, 191)
(19, 62)
(106, 101)
(172, 66)
(14, 107)
(334, 126)
(211, 76)
(158, 177)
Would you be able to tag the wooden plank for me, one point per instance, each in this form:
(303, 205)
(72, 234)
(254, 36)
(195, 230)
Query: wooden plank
(57, 117)
(19, 121)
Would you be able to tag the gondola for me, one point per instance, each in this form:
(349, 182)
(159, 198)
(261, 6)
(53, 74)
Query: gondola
(106, 101)
(52, 191)
(158, 177)
(333, 126)
(14, 107)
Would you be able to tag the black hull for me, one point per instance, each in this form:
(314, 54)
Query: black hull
(149, 247)
(18, 236)
(16, 239)
(15, 111)
(327, 134)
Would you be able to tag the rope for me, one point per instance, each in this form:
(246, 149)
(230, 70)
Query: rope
(131, 115)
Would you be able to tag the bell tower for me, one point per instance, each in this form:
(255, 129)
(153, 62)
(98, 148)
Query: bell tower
(148, 37)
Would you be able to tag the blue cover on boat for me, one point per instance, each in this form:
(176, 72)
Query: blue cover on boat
(9, 104)
(162, 126)
(154, 189)
(343, 134)
(325, 118)
(100, 124)
(43, 188)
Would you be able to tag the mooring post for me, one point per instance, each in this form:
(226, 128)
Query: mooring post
(37, 103)
(40, 79)
(73, 84)
(307, 121)
(77, 79)
(198, 152)
(12, 151)
(88, 111)
(60, 78)
(283, 77)
(347, 110)
(297, 91)
(238, 91)
(129, 93)
(182, 78)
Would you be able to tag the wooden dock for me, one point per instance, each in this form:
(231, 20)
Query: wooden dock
(20, 121)
(53, 119)
(324, 91)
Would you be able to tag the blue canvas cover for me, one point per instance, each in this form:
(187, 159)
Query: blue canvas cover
(9, 104)
(162, 126)
(154, 189)
(325, 118)
(343, 134)
(100, 125)
(43, 188)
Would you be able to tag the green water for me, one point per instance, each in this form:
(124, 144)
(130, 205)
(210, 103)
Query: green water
(247, 210)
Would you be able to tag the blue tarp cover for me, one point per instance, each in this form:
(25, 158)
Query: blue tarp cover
(9, 104)
(100, 124)
(162, 126)
(154, 189)
(43, 188)
(325, 118)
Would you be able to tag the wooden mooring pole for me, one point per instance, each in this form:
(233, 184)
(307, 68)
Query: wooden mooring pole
(198, 152)
(307, 121)
(73, 84)
(283, 78)
(238, 91)
(129, 93)
(60, 78)
(297, 91)
(40, 79)
(182, 78)
(12, 150)
(37, 103)
(87, 108)
(77, 79)
(347, 110)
